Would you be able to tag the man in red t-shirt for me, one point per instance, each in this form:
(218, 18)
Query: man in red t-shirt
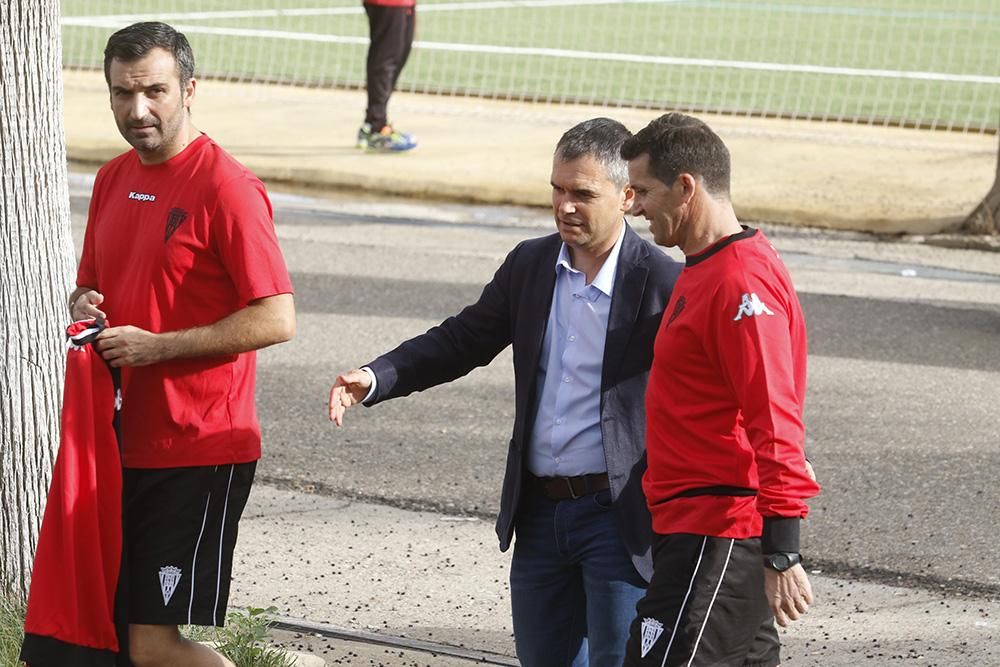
(181, 257)
(727, 478)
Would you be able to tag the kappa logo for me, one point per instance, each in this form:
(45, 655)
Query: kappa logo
(142, 196)
(170, 576)
(750, 306)
(651, 631)
(174, 219)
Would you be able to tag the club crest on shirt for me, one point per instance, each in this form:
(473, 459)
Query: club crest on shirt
(174, 219)
(750, 306)
(678, 307)
(170, 576)
(651, 631)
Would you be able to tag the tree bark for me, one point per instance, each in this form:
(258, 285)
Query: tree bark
(985, 219)
(36, 262)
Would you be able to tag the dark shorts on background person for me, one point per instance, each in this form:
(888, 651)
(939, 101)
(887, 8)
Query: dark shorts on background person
(705, 606)
(180, 532)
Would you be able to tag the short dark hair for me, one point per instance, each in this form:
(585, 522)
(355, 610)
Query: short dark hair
(602, 138)
(677, 144)
(134, 42)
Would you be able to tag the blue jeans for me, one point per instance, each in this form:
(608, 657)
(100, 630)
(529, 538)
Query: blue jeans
(573, 587)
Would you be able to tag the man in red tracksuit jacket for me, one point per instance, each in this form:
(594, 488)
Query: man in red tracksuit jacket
(727, 477)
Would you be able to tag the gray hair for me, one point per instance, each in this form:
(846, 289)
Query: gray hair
(601, 138)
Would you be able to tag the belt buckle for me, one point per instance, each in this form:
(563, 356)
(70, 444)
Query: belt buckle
(572, 492)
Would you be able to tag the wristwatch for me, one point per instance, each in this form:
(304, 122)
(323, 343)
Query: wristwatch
(781, 560)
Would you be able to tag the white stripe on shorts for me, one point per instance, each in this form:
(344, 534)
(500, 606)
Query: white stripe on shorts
(708, 611)
(194, 560)
(684, 603)
(222, 533)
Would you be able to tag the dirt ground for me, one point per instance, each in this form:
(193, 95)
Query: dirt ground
(840, 176)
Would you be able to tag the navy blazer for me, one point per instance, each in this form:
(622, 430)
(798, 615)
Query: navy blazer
(514, 310)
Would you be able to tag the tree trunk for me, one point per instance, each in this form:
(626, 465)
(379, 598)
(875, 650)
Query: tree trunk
(985, 219)
(36, 262)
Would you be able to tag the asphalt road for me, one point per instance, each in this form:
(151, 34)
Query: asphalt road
(902, 412)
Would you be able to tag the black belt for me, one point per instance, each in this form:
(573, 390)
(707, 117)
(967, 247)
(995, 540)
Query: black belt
(567, 488)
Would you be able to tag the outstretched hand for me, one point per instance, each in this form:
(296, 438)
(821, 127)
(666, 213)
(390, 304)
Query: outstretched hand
(789, 593)
(348, 389)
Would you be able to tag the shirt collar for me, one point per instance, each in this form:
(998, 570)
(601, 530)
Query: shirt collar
(605, 278)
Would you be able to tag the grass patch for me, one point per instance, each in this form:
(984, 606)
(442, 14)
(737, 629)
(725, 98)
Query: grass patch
(324, 48)
(11, 630)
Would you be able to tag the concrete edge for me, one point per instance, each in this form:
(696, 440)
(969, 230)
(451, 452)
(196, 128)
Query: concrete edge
(964, 242)
(334, 632)
(936, 231)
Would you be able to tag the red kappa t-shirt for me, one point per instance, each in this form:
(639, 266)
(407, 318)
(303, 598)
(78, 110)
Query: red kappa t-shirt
(173, 246)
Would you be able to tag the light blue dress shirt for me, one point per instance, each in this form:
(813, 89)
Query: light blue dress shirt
(566, 437)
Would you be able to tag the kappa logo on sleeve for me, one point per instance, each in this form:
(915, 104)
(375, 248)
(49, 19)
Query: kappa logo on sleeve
(751, 306)
(651, 631)
(170, 576)
(141, 196)
(175, 217)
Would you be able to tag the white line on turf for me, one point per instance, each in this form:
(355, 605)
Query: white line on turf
(571, 54)
(358, 9)
(867, 12)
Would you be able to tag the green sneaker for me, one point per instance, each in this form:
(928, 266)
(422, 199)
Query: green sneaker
(387, 140)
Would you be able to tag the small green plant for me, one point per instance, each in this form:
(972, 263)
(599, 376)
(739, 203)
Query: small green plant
(11, 630)
(244, 639)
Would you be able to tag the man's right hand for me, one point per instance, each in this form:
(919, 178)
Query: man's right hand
(349, 389)
(84, 304)
(789, 593)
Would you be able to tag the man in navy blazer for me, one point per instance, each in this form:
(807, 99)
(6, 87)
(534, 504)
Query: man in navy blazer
(581, 309)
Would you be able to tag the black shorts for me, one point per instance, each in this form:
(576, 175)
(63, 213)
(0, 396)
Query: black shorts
(704, 606)
(180, 532)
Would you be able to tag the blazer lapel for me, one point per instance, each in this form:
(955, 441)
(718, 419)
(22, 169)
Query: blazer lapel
(539, 298)
(626, 297)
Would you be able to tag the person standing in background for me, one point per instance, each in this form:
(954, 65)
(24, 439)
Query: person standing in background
(390, 25)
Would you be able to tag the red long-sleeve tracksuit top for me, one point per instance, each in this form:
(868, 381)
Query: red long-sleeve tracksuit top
(725, 397)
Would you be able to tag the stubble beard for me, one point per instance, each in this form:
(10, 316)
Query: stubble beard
(163, 134)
